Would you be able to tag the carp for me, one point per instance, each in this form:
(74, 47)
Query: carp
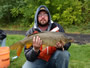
(48, 39)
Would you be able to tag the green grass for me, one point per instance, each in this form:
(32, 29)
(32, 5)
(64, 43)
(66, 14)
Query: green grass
(80, 54)
(20, 61)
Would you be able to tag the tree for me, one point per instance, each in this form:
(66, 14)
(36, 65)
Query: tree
(65, 12)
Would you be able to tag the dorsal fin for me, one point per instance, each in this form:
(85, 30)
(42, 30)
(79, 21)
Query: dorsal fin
(37, 33)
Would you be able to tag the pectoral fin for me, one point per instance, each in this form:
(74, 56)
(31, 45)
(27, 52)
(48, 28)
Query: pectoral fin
(44, 46)
(28, 45)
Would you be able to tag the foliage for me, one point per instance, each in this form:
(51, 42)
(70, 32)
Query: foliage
(65, 12)
(4, 11)
(68, 12)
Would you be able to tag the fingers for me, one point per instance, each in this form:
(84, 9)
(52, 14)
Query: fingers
(37, 41)
(41, 42)
(63, 48)
(60, 45)
(34, 39)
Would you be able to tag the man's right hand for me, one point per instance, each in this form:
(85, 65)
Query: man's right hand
(37, 43)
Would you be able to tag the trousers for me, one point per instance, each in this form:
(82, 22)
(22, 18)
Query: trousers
(60, 59)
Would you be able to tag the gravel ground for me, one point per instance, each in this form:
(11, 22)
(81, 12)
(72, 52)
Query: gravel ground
(81, 38)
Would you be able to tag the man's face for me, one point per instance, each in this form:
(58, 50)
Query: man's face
(42, 18)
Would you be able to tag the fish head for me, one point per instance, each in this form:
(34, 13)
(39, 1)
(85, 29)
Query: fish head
(70, 39)
(66, 39)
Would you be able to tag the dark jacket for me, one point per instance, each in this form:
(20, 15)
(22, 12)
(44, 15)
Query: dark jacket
(30, 54)
(2, 35)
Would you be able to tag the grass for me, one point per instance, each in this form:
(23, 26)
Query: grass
(20, 61)
(80, 54)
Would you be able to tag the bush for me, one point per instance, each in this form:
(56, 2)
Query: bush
(65, 12)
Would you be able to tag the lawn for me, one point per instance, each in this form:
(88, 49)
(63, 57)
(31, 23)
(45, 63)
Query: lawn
(80, 54)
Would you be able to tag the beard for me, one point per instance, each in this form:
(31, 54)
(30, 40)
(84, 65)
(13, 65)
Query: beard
(43, 23)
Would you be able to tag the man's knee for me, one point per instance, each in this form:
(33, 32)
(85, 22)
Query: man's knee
(38, 63)
(61, 54)
(26, 65)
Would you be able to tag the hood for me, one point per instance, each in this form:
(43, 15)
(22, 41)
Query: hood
(42, 7)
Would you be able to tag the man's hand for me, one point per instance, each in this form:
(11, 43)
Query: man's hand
(36, 43)
(60, 45)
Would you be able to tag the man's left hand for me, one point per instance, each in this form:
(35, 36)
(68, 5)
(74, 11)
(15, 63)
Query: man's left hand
(60, 45)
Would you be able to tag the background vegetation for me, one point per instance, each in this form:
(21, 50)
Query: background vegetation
(20, 13)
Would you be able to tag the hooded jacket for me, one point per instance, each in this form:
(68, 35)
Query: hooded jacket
(45, 54)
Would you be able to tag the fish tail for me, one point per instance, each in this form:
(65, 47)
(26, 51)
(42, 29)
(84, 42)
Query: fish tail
(17, 46)
(19, 50)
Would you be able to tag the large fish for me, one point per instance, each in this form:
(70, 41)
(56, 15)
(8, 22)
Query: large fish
(48, 39)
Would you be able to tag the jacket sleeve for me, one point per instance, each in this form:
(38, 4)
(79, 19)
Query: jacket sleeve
(30, 54)
(66, 47)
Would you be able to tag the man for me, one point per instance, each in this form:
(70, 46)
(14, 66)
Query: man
(50, 57)
(2, 38)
